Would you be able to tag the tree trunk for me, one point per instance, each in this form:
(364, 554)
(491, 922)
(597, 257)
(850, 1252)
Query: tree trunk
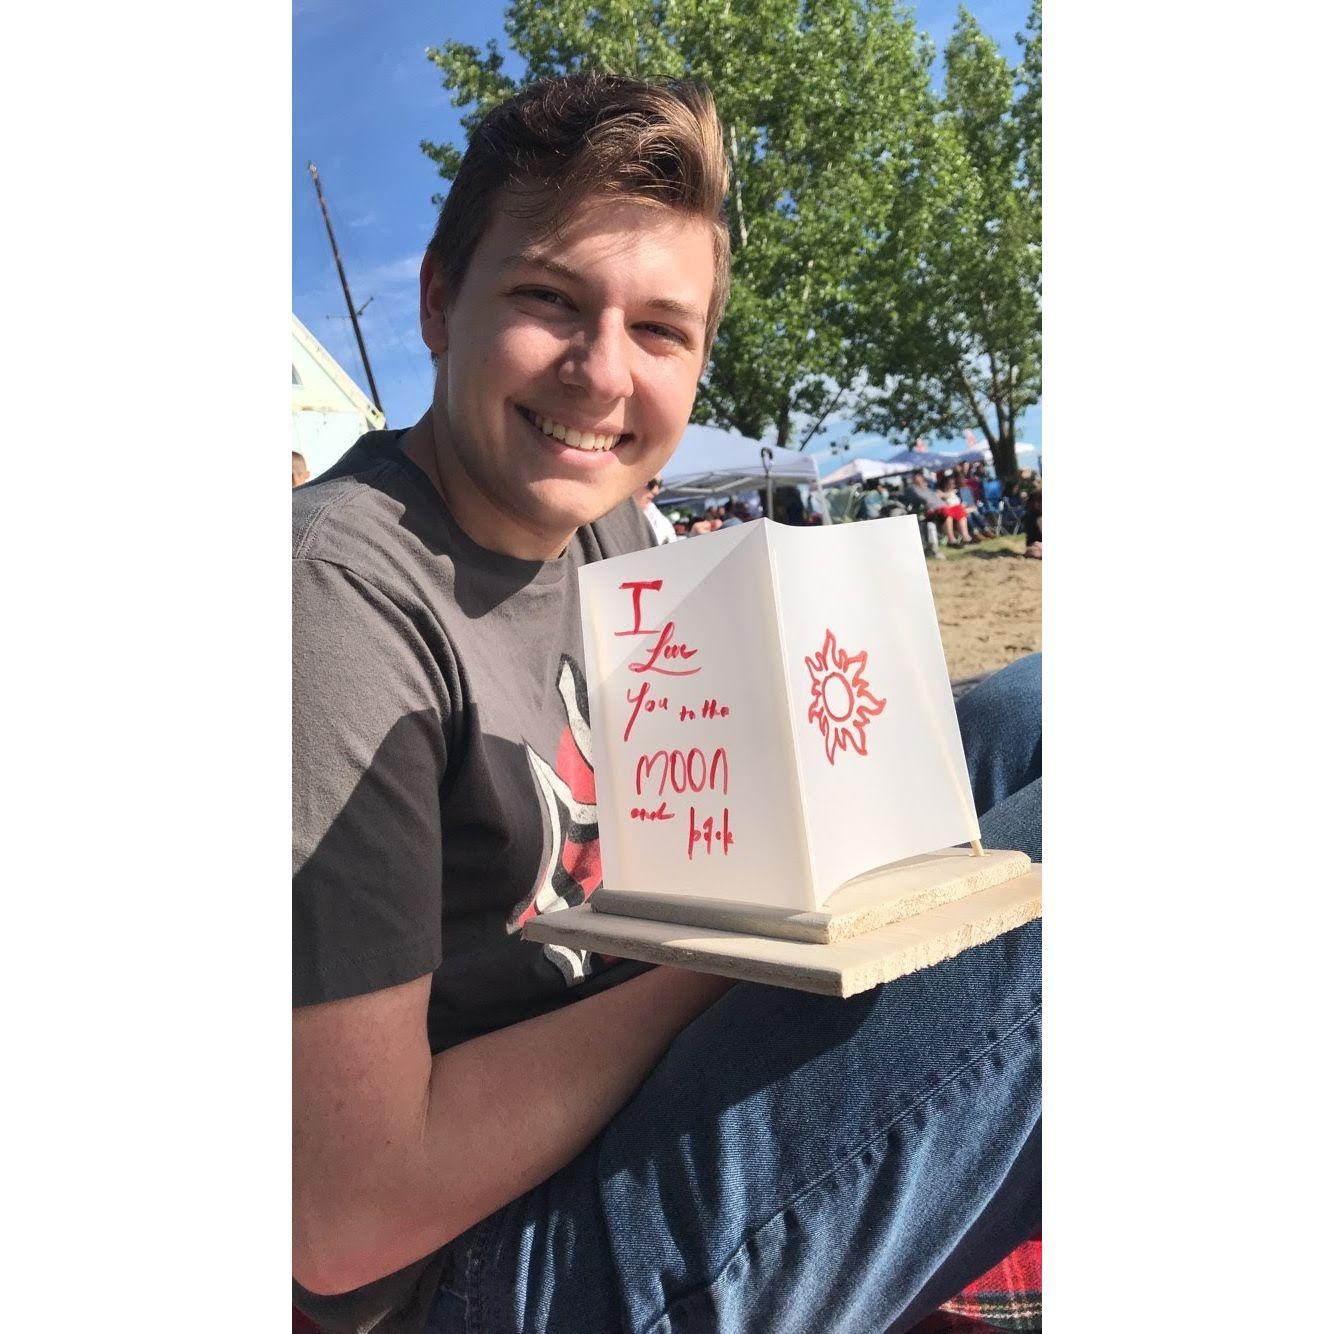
(1003, 455)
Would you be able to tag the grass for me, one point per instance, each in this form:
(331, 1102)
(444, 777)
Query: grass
(1011, 544)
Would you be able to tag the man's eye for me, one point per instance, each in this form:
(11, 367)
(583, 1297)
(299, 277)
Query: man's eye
(544, 295)
(664, 331)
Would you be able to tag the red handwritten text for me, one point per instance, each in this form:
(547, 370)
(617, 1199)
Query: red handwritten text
(662, 813)
(641, 701)
(685, 770)
(707, 833)
(664, 648)
(709, 709)
(637, 587)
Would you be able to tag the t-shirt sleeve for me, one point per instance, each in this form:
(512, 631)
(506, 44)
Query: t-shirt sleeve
(369, 712)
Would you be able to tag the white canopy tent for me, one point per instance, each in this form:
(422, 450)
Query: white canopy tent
(981, 454)
(712, 462)
(863, 470)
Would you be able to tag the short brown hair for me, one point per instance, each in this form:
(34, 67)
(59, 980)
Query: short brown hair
(563, 140)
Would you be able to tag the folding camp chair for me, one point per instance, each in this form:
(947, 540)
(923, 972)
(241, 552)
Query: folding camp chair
(989, 506)
(1010, 518)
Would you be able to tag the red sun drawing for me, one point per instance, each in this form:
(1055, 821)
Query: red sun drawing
(841, 701)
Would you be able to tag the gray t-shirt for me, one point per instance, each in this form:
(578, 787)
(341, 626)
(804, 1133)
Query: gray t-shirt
(442, 787)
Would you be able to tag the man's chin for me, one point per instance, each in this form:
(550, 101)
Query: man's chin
(564, 506)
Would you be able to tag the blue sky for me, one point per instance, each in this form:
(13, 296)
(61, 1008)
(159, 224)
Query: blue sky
(363, 97)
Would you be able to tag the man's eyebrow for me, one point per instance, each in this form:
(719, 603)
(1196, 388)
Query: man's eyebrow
(681, 308)
(523, 259)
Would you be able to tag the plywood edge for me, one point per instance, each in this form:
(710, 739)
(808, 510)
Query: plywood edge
(717, 914)
(945, 946)
(909, 891)
(579, 928)
(838, 969)
(872, 901)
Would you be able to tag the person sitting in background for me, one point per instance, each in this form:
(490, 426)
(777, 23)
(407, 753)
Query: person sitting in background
(920, 499)
(951, 509)
(922, 492)
(734, 513)
(787, 506)
(970, 493)
(661, 525)
(1014, 500)
(1033, 526)
(300, 473)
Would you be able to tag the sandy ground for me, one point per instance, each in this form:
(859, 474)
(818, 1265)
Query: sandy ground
(989, 605)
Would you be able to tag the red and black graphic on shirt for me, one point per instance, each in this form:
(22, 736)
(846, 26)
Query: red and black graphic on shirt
(571, 865)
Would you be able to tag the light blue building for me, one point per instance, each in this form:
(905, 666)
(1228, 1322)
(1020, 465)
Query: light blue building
(329, 412)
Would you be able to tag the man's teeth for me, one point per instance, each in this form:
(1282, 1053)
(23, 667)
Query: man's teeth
(584, 440)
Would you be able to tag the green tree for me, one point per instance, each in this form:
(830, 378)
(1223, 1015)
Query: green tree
(821, 101)
(969, 332)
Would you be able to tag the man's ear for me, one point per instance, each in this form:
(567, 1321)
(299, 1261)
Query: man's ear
(434, 322)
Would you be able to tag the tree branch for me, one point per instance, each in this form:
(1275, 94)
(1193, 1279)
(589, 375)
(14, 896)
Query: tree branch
(833, 403)
(981, 416)
(736, 186)
(717, 409)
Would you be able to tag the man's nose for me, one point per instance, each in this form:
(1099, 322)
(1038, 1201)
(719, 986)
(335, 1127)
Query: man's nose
(599, 363)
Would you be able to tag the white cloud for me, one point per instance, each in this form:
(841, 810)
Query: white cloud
(393, 273)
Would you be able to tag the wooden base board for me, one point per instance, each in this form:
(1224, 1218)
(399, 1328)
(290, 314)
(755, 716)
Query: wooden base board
(843, 968)
(863, 905)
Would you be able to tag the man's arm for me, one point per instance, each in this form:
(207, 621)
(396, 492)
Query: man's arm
(395, 1152)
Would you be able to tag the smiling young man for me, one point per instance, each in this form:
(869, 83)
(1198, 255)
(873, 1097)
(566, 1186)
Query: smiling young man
(493, 1135)
(574, 372)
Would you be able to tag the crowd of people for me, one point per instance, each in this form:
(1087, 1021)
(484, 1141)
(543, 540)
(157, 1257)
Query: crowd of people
(964, 505)
(681, 523)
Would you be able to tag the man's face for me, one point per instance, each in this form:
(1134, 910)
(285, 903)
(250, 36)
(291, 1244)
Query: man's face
(568, 367)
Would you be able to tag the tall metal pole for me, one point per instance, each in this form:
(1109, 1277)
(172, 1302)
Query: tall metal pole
(342, 277)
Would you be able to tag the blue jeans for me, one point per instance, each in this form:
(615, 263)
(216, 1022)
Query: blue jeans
(798, 1164)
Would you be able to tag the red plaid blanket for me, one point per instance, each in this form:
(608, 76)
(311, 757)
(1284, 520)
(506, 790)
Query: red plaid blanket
(1008, 1297)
